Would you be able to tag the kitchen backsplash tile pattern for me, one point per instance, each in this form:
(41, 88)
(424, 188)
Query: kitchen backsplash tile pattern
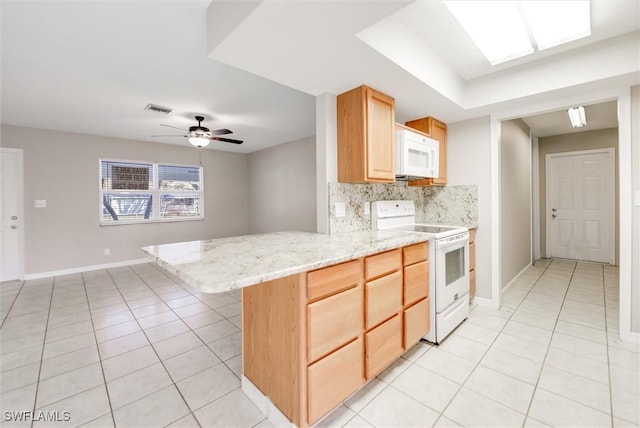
(447, 205)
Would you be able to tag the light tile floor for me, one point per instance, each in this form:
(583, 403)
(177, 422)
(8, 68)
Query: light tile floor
(134, 347)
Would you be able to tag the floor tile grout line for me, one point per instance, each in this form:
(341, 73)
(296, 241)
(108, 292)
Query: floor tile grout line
(12, 303)
(544, 359)
(44, 344)
(193, 330)
(104, 378)
(606, 341)
(489, 347)
(173, 382)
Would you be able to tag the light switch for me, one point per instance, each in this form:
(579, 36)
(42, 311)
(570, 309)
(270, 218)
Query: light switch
(341, 209)
(40, 203)
(367, 208)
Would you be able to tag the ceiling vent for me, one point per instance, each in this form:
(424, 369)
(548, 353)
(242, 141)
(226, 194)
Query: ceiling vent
(157, 108)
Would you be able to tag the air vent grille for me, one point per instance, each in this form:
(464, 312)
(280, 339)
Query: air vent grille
(159, 109)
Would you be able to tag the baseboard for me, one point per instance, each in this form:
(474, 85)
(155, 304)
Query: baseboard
(515, 278)
(70, 271)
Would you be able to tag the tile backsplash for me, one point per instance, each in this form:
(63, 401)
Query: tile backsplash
(446, 205)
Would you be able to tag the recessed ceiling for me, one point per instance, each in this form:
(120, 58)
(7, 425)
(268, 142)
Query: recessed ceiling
(256, 67)
(599, 116)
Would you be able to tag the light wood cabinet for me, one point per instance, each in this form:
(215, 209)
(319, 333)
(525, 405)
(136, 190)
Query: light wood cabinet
(438, 131)
(383, 345)
(333, 321)
(312, 339)
(334, 378)
(416, 322)
(472, 263)
(365, 125)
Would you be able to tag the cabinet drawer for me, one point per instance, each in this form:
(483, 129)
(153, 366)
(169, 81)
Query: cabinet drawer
(415, 253)
(383, 345)
(333, 321)
(329, 280)
(334, 378)
(416, 323)
(472, 256)
(383, 298)
(472, 236)
(416, 282)
(472, 282)
(381, 264)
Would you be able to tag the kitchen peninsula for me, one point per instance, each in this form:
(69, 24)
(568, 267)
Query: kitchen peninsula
(321, 314)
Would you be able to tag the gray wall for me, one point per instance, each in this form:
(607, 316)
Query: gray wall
(282, 187)
(588, 140)
(515, 199)
(62, 168)
(469, 162)
(635, 219)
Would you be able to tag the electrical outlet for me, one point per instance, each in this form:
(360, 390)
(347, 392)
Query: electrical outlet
(107, 252)
(40, 203)
(341, 209)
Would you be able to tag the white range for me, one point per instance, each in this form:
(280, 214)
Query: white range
(449, 256)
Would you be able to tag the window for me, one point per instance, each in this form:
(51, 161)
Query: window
(138, 192)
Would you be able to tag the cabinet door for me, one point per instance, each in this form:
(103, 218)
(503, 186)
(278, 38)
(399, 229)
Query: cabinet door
(382, 264)
(416, 323)
(332, 379)
(416, 282)
(332, 279)
(415, 253)
(383, 298)
(383, 345)
(438, 132)
(380, 144)
(333, 321)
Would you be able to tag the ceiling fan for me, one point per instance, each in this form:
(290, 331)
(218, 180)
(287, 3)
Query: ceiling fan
(201, 136)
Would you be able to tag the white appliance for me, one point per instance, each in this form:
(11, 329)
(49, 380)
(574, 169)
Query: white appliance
(417, 156)
(448, 259)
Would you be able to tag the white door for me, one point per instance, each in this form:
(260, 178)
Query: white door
(11, 213)
(581, 205)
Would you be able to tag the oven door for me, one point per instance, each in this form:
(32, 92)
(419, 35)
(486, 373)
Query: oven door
(452, 270)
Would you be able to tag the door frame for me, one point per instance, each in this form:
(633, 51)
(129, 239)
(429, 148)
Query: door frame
(20, 202)
(610, 197)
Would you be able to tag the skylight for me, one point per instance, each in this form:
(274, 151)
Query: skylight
(506, 30)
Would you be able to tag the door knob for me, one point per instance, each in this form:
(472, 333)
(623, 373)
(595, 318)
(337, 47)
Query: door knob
(553, 215)
(553, 209)
(14, 217)
(14, 227)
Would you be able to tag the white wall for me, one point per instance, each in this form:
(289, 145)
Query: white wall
(469, 162)
(515, 199)
(282, 187)
(635, 186)
(62, 168)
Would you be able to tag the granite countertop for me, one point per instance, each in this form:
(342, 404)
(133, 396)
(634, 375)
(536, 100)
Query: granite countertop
(219, 265)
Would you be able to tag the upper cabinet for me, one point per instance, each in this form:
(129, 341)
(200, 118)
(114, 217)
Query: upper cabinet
(438, 131)
(365, 136)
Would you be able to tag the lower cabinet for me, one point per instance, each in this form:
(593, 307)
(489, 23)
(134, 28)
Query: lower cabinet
(311, 340)
(332, 379)
(383, 345)
(416, 323)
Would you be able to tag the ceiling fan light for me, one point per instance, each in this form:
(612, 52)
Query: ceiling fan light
(577, 117)
(199, 141)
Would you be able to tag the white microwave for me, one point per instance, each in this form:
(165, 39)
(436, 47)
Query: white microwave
(417, 156)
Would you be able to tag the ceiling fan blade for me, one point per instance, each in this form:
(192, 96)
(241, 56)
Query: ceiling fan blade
(227, 140)
(169, 126)
(168, 135)
(222, 131)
